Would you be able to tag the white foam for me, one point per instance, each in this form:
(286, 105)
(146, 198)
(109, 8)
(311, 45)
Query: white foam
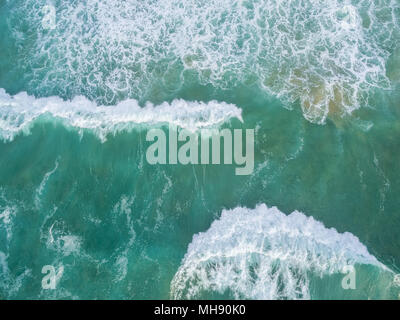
(8, 212)
(124, 207)
(316, 51)
(69, 244)
(9, 283)
(64, 242)
(262, 253)
(3, 263)
(17, 114)
(42, 185)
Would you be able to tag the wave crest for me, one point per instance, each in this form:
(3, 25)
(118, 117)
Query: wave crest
(325, 54)
(17, 113)
(262, 253)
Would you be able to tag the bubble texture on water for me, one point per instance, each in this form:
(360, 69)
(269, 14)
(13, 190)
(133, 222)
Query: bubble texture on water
(325, 54)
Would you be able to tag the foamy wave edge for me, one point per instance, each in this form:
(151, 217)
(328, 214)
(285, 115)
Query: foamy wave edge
(262, 253)
(19, 112)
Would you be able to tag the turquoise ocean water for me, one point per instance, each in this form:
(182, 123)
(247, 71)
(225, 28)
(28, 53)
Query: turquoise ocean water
(318, 81)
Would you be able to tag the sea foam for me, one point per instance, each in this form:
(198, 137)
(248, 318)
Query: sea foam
(262, 253)
(18, 113)
(325, 54)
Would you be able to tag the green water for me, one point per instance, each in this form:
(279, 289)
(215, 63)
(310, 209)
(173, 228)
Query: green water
(80, 195)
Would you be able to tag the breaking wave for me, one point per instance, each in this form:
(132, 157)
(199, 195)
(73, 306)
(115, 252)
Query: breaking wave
(325, 54)
(262, 253)
(17, 114)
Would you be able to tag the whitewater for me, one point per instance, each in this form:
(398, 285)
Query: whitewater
(318, 82)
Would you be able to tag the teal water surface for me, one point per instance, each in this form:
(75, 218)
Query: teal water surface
(317, 81)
